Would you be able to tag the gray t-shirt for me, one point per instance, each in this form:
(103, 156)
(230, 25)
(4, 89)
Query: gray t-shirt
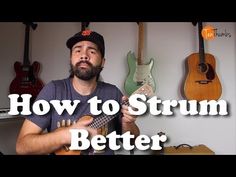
(63, 90)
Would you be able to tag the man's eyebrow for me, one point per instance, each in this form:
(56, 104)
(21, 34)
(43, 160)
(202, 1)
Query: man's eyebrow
(89, 47)
(78, 46)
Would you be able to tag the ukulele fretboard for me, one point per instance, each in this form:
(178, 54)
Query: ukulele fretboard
(103, 119)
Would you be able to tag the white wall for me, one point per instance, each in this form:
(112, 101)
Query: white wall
(168, 43)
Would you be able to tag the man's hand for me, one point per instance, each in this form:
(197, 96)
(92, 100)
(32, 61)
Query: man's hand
(127, 117)
(82, 123)
(128, 120)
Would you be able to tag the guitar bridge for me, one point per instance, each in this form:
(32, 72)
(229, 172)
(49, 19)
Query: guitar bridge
(203, 81)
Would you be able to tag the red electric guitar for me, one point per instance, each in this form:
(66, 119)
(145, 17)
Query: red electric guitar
(26, 80)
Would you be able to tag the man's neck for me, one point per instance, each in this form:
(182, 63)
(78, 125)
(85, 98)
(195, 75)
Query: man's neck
(84, 87)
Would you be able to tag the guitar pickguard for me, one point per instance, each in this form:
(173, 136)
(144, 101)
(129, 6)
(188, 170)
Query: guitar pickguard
(143, 75)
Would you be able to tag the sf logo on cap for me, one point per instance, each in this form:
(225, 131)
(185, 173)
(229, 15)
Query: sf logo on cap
(86, 32)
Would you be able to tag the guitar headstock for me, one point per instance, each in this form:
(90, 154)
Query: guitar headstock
(31, 24)
(84, 25)
(144, 89)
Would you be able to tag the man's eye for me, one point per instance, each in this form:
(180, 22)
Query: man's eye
(76, 51)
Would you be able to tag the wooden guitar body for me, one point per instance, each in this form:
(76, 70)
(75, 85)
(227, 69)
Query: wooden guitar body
(202, 85)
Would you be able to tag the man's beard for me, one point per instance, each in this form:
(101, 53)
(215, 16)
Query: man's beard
(85, 74)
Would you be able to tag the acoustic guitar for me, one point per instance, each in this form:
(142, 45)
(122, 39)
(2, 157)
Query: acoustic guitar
(202, 82)
(139, 73)
(26, 80)
(98, 123)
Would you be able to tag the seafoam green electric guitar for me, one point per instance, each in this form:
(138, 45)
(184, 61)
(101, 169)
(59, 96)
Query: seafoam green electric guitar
(139, 73)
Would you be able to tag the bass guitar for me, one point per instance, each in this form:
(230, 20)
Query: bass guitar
(202, 82)
(26, 80)
(139, 73)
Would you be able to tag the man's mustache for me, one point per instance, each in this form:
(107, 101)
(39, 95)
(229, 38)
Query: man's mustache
(83, 62)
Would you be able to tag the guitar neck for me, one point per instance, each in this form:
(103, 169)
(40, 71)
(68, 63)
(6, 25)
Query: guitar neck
(26, 46)
(84, 25)
(201, 43)
(26, 61)
(140, 42)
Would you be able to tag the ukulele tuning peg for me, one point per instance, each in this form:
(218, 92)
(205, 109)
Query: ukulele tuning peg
(68, 122)
(58, 124)
(63, 123)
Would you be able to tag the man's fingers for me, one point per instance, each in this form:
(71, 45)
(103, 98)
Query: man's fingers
(125, 98)
(85, 121)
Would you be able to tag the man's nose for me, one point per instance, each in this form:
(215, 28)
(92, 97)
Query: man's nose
(84, 56)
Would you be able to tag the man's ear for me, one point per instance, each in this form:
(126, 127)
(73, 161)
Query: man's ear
(103, 62)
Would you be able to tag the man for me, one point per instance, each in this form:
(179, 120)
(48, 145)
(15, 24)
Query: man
(87, 52)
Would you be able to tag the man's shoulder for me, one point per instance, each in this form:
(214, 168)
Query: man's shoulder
(60, 82)
(57, 84)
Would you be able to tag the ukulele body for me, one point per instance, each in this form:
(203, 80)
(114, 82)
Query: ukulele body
(65, 149)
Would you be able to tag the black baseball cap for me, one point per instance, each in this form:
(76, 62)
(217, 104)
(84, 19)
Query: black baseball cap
(87, 35)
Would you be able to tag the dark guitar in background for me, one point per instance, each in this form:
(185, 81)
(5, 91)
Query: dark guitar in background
(202, 82)
(26, 80)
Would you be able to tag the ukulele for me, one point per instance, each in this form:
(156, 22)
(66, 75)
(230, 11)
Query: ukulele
(98, 123)
(26, 80)
(139, 73)
(202, 82)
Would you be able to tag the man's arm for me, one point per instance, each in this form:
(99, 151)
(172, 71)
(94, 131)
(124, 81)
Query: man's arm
(132, 127)
(31, 140)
